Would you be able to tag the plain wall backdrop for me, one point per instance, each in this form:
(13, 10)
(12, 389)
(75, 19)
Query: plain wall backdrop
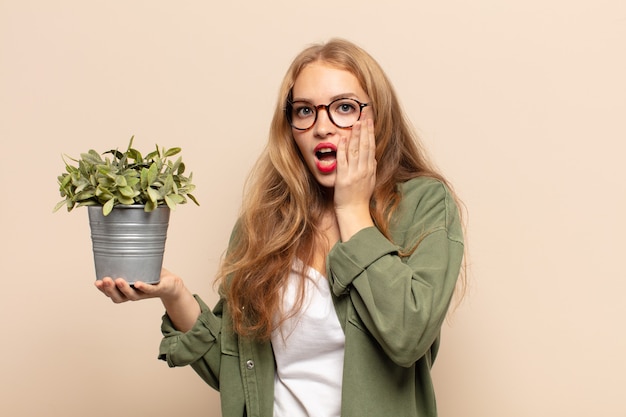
(522, 104)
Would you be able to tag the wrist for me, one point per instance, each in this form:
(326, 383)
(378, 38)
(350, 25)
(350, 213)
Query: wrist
(175, 293)
(351, 221)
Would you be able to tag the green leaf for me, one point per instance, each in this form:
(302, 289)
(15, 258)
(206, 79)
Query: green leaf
(65, 179)
(107, 171)
(193, 199)
(134, 154)
(108, 206)
(92, 157)
(152, 173)
(132, 181)
(171, 152)
(59, 205)
(126, 200)
(151, 155)
(120, 181)
(144, 178)
(80, 186)
(127, 192)
(168, 185)
(154, 195)
(176, 198)
(150, 206)
(85, 195)
(103, 194)
(170, 202)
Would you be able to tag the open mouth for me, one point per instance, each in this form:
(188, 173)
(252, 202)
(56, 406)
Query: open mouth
(326, 156)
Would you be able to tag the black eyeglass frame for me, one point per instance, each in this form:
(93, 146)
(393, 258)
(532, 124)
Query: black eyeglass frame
(326, 107)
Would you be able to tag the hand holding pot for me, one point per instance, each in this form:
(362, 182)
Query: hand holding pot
(179, 303)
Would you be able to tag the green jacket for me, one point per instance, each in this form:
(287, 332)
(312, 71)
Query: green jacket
(391, 309)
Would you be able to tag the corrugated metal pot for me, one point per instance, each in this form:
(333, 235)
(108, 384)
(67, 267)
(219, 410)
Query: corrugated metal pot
(129, 243)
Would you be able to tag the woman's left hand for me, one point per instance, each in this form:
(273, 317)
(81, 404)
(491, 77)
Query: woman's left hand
(356, 178)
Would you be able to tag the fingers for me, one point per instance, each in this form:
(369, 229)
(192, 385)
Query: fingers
(145, 290)
(354, 145)
(342, 159)
(360, 151)
(348, 149)
(109, 288)
(119, 290)
(369, 145)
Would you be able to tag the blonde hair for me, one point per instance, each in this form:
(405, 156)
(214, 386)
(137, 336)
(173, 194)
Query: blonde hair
(283, 203)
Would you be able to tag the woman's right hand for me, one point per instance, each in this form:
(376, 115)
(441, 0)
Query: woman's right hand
(119, 290)
(180, 304)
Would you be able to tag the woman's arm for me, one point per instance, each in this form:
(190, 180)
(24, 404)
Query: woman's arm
(191, 331)
(402, 300)
(200, 346)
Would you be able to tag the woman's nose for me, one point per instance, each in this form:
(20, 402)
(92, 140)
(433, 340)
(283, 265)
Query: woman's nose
(323, 125)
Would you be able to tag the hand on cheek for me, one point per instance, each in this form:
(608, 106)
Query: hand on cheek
(356, 178)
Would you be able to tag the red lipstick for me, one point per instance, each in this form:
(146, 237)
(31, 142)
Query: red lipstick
(326, 157)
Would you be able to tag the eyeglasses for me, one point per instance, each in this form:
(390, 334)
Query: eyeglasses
(342, 112)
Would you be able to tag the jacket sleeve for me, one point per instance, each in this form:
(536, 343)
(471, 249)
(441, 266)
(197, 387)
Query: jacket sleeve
(199, 347)
(401, 299)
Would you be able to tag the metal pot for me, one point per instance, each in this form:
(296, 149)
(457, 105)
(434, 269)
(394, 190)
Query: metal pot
(129, 243)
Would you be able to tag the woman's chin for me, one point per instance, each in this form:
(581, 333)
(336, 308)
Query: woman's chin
(326, 180)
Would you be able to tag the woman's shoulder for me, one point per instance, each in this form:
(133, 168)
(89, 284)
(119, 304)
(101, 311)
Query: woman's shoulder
(422, 182)
(424, 189)
(429, 203)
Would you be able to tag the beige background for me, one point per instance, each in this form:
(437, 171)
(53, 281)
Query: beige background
(521, 103)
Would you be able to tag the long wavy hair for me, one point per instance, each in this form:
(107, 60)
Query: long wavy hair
(283, 204)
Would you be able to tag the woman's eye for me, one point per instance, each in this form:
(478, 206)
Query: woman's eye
(303, 111)
(346, 107)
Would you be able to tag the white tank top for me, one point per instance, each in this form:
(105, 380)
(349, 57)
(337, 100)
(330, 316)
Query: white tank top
(309, 351)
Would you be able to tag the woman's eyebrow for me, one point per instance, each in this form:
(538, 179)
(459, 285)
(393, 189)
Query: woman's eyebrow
(333, 98)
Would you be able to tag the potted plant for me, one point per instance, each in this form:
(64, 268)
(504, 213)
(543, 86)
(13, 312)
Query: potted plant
(129, 198)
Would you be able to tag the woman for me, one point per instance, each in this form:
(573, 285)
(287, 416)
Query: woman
(341, 267)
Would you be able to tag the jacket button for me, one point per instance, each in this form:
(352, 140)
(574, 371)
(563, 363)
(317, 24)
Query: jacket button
(250, 364)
